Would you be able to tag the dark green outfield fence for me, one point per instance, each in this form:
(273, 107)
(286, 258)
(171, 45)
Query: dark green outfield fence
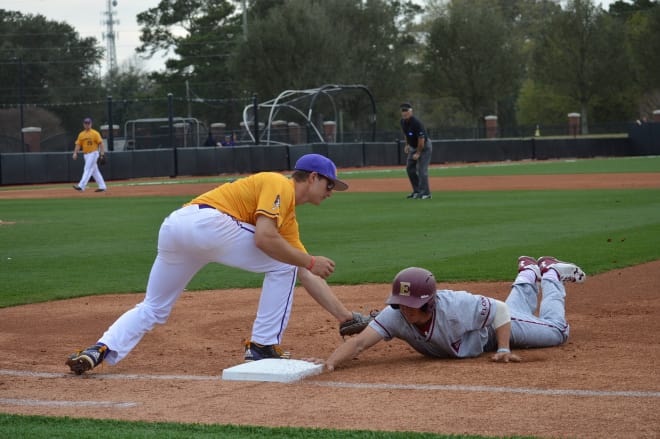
(58, 167)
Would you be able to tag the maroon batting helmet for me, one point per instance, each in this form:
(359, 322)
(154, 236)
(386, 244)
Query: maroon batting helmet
(413, 287)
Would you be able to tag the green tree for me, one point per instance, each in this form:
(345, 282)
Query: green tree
(134, 95)
(642, 23)
(473, 56)
(580, 54)
(301, 44)
(200, 36)
(57, 66)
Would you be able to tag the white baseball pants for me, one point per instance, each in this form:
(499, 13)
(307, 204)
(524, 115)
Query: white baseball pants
(91, 169)
(189, 239)
(550, 327)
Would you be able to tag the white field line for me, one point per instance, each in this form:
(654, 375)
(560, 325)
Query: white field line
(337, 384)
(489, 389)
(128, 377)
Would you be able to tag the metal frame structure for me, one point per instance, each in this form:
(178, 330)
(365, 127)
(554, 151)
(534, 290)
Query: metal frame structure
(287, 100)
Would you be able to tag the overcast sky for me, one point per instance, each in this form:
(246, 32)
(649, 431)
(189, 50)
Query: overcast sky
(87, 17)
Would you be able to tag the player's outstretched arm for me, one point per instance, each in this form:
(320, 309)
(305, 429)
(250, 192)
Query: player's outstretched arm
(323, 295)
(352, 348)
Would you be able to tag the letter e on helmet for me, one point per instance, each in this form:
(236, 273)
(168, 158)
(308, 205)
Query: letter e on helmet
(413, 287)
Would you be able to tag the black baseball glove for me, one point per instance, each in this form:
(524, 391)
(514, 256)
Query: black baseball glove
(356, 324)
(101, 160)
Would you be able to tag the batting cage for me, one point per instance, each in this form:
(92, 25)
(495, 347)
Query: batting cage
(327, 114)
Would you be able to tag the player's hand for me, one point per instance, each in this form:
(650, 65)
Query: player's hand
(416, 156)
(319, 361)
(406, 149)
(323, 267)
(505, 357)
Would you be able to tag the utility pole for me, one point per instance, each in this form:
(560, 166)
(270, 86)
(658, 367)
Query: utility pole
(109, 36)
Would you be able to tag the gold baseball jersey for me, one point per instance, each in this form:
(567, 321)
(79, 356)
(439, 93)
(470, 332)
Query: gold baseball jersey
(266, 193)
(89, 141)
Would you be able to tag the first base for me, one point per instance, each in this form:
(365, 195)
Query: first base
(272, 370)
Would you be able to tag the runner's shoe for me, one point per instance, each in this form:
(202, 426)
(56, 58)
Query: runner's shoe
(255, 351)
(529, 263)
(567, 271)
(87, 359)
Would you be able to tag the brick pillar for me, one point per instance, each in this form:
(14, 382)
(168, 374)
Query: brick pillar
(104, 131)
(279, 131)
(32, 139)
(295, 133)
(330, 131)
(491, 126)
(574, 124)
(218, 130)
(656, 115)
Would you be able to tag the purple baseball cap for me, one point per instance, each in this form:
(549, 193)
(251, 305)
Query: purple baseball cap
(87, 120)
(322, 165)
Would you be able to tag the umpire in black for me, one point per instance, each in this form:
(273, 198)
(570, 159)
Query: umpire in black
(418, 153)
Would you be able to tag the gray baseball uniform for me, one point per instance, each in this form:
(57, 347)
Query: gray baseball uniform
(461, 325)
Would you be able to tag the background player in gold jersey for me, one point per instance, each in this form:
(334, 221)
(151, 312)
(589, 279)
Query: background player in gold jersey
(90, 142)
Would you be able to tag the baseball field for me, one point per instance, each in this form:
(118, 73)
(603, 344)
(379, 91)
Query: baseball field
(71, 263)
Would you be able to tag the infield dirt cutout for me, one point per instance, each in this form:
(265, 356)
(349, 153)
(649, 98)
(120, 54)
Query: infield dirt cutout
(604, 382)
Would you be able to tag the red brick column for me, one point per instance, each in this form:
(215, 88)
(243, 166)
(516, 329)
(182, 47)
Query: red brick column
(218, 130)
(491, 126)
(330, 131)
(32, 139)
(574, 124)
(295, 133)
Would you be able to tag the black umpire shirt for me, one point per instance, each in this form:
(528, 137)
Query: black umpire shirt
(413, 129)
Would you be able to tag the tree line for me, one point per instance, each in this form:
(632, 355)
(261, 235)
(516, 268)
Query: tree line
(527, 61)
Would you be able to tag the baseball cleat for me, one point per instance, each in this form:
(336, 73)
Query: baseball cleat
(414, 195)
(529, 263)
(426, 197)
(255, 351)
(87, 359)
(567, 271)
(100, 190)
(78, 188)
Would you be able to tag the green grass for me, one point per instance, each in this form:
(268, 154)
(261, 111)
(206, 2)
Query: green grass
(61, 248)
(37, 427)
(524, 167)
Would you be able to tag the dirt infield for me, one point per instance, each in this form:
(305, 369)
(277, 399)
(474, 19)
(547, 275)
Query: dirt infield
(603, 383)
(137, 188)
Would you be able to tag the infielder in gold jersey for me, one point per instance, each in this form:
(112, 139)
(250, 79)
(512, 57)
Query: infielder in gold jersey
(249, 224)
(90, 142)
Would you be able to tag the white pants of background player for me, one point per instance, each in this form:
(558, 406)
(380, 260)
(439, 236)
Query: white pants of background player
(550, 327)
(189, 239)
(91, 169)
